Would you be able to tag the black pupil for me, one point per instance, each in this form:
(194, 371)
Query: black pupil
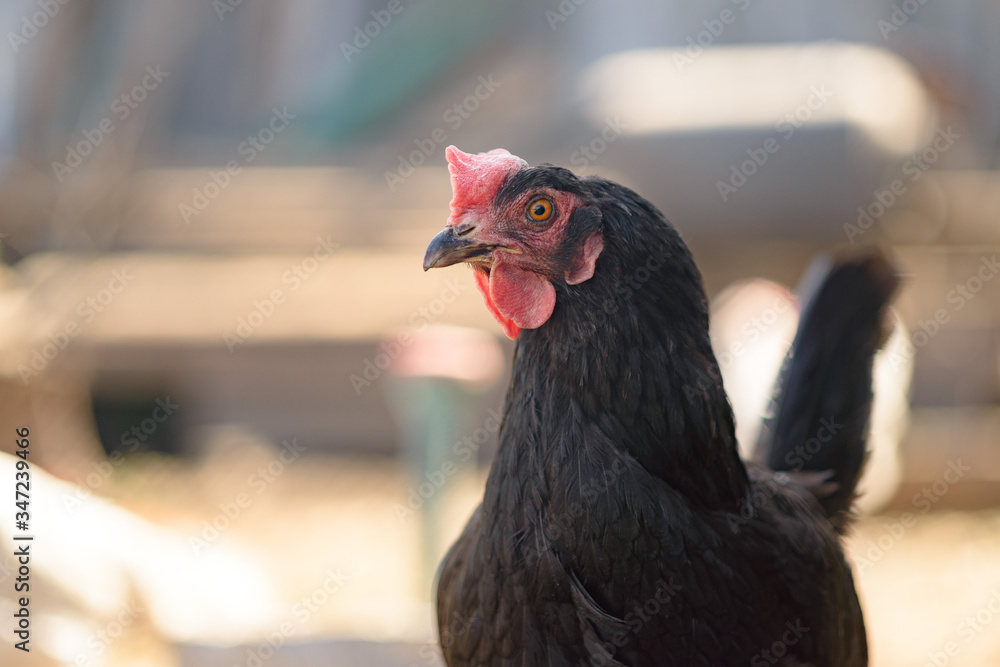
(539, 210)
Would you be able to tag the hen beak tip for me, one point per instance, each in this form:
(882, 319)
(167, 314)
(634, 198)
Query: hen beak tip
(448, 248)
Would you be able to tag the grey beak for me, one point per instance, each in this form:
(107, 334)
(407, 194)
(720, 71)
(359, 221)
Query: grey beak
(448, 248)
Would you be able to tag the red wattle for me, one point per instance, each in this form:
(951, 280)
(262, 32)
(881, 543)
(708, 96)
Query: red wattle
(511, 330)
(517, 298)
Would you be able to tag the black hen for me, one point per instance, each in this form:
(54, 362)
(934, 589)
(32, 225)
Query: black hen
(619, 526)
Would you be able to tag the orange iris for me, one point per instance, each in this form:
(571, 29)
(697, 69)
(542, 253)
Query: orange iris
(540, 210)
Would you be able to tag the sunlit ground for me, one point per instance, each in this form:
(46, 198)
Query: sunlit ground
(930, 589)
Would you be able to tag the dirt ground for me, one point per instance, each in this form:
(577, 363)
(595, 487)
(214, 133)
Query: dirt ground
(929, 580)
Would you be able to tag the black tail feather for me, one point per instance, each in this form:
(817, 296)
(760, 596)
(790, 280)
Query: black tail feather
(817, 427)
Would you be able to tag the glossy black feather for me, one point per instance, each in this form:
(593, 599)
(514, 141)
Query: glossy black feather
(821, 409)
(618, 525)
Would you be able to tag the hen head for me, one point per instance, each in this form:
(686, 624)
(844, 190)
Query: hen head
(523, 230)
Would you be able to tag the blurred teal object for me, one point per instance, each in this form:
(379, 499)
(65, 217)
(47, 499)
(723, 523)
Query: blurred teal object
(419, 47)
(434, 387)
(429, 412)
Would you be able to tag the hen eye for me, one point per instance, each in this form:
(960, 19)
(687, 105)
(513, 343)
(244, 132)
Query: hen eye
(540, 210)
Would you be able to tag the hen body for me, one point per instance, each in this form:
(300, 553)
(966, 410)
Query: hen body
(619, 525)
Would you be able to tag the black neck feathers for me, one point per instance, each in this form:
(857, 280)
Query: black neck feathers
(623, 368)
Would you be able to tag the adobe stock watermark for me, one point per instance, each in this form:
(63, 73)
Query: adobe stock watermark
(967, 629)
(456, 628)
(264, 308)
(301, 612)
(590, 490)
(31, 24)
(454, 116)
(88, 309)
(797, 458)
(900, 15)
(588, 153)
(628, 286)
(714, 28)
(462, 451)
(223, 7)
(563, 11)
(957, 297)
(753, 329)
(785, 128)
(772, 655)
(363, 35)
(418, 321)
(912, 170)
(803, 453)
(121, 108)
(636, 619)
(249, 149)
(923, 501)
(99, 642)
(130, 441)
(230, 511)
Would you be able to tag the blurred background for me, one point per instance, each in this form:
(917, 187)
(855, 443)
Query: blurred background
(256, 424)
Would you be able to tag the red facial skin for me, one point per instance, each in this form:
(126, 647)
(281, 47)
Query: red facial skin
(515, 277)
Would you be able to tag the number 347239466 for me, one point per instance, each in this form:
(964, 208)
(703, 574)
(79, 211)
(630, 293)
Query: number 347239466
(22, 479)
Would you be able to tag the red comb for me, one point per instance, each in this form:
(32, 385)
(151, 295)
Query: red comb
(475, 179)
